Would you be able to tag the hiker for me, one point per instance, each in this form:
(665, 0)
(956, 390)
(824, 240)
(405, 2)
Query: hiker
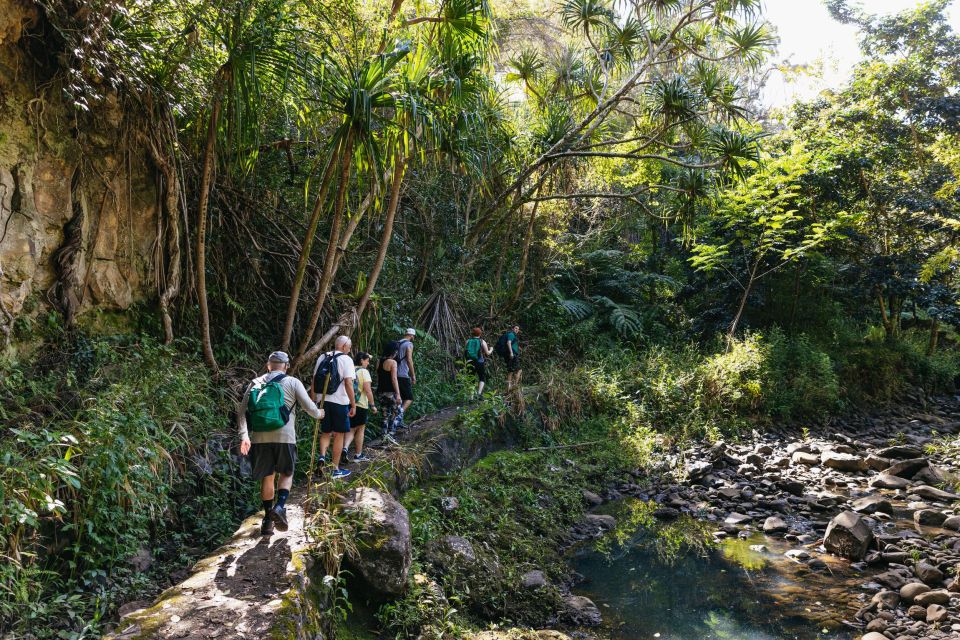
(388, 389)
(508, 348)
(363, 392)
(406, 373)
(333, 378)
(267, 425)
(477, 352)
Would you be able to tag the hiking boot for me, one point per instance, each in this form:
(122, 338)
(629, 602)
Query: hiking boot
(266, 527)
(279, 516)
(341, 473)
(360, 457)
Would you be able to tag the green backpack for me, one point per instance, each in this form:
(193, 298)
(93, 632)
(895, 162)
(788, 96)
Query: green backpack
(266, 409)
(473, 349)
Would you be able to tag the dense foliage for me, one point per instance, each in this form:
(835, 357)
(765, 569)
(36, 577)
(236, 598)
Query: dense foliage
(683, 264)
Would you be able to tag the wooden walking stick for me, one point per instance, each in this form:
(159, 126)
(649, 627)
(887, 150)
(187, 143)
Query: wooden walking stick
(316, 433)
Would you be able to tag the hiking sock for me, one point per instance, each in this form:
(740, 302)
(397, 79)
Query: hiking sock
(267, 505)
(282, 495)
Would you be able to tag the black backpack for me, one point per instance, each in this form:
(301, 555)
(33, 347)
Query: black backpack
(327, 378)
(501, 348)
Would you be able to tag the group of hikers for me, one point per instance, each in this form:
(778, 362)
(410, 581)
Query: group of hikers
(342, 397)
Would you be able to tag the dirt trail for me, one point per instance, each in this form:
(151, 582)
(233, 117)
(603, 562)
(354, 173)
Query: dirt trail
(253, 586)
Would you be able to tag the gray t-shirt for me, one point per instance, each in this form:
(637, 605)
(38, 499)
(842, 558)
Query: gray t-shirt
(293, 393)
(403, 367)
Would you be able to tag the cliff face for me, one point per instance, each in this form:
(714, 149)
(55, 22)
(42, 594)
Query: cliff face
(79, 199)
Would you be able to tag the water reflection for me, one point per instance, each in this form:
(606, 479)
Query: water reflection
(667, 582)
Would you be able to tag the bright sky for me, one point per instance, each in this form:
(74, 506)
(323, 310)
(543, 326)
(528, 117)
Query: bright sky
(809, 36)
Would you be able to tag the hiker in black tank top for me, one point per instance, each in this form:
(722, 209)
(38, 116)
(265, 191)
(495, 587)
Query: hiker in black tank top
(388, 392)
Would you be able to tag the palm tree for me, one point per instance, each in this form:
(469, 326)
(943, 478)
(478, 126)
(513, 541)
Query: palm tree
(263, 51)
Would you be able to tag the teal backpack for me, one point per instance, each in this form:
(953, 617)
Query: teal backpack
(473, 349)
(266, 409)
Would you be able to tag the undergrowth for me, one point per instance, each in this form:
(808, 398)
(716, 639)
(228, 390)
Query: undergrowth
(115, 475)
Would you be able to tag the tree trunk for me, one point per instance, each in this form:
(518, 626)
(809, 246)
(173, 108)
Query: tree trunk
(347, 318)
(392, 206)
(306, 248)
(522, 272)
(172, 208)
(934, 337)
(206, 177)
(327, 274)
(732, 332)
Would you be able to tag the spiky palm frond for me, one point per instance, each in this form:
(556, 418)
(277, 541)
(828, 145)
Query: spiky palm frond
(586, 15)
(734, 150)
(751, 43)
(673, 100)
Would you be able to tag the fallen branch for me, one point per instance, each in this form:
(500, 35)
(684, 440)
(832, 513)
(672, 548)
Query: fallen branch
(565, 446)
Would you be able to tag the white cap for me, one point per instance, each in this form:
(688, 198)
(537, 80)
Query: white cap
(411, 331)
(279, 356)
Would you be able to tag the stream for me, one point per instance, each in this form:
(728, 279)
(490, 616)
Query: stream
(657, 585)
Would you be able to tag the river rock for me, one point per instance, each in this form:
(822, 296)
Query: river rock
(533, 580)
(907, 468)
(936, 613)
(872, 504)
(738, 518)
(773, 524)
(601, 522)
(900, 452)
(886, 599)
(449, 550)
(873, 635)
(928, 517)
(928, 573)
(449, 504)
(798, 555)
(591, 498)
(848, 536)
(952, 523)
(805, 458)
(730, 493)
(937, 596)
(887, 481)
(910, 591)
(877, 463)
(793, 487)
(842, 461)
(917, 612)
(581, 611)
(666, 513)
(384, 552)
(697, 470)
(930, 493)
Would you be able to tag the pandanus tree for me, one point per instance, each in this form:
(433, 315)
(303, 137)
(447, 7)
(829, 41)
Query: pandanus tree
(264, 58)
(634, 99)
(363, 98)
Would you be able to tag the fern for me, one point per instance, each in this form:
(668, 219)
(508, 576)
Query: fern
(624, 319)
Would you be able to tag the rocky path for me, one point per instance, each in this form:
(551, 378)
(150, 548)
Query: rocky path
(258, 587)
(867, 497)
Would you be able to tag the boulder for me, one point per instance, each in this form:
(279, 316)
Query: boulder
(900, 452)
(872, 504)
(930, 493)
(793, 487)
(937, 596)
(698, 469)
(877, 463)
(384, 553)
(886, 599)
(928, 573)
(805, 458)
(928, 517)
(907, 468)
(936, 613)
(952, 523)
(773, 524)
(873, 635)
(909, 592)
(581, 611)
(887, 481)
(601, 522)
(737, 518)
(842, 461)
(591, 498)
(848, 536)
(447, 551)
(533, 580)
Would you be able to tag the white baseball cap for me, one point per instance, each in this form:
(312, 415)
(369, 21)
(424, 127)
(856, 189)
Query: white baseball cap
(411, 331)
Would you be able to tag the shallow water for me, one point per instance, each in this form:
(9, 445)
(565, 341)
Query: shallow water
(730, 592)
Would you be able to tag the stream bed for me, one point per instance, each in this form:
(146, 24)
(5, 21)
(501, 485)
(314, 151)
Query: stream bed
(654, 584)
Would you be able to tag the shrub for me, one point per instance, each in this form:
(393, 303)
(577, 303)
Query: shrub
(732, 379)
(799, 379)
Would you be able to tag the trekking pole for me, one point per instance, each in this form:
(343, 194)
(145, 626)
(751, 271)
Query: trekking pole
(316, 432)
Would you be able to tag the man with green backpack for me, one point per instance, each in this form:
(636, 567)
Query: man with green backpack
(267, 424)
(477, 351)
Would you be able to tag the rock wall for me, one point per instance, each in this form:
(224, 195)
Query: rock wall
(78, 198)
